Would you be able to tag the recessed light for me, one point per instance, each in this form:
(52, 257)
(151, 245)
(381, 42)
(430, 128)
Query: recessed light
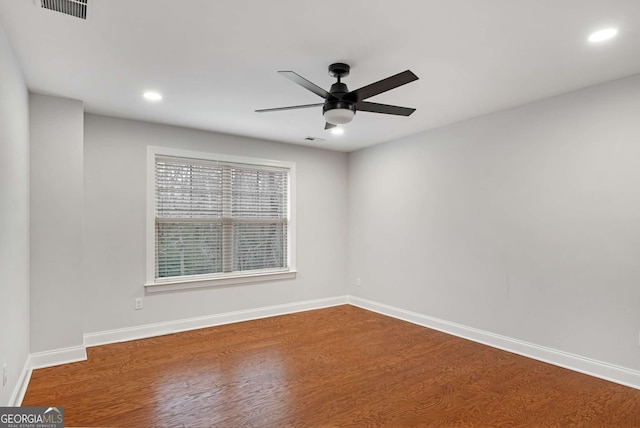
(603, 35)
(152, 96)
(337, 131)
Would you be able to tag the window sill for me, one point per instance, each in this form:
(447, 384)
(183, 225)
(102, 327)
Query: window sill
(185, 284)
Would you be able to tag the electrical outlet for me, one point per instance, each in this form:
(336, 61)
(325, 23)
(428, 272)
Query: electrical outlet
(358, 282)
(138, 303)
(4, 374)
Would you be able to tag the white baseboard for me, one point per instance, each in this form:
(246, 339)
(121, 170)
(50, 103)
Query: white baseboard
(40, 360)
(170, 327)
(74, 354)
(57, 357)
(599, 369)
(21, 386)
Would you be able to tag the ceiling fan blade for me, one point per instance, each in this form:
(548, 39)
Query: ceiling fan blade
(328, 125)
(384, 108)
(305, 84)
(381, 86)
(266, 110)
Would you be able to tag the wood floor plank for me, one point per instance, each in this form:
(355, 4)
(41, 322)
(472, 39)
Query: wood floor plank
(340, 366)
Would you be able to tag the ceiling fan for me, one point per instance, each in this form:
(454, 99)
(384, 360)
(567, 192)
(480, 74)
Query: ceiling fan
(340, 105)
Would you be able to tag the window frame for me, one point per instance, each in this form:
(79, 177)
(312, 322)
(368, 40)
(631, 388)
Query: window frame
(153, 284)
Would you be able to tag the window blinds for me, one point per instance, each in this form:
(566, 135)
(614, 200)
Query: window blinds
(217, 217)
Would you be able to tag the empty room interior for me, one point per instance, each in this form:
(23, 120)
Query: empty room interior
(288, 213)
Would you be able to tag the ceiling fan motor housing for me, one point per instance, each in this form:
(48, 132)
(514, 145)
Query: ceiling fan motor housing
(336, 110)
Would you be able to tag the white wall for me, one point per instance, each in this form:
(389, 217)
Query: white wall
(14, 219)
(115, 212)
(56, 222)
(523, 223)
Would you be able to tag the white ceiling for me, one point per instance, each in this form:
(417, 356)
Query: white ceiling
(215, 61)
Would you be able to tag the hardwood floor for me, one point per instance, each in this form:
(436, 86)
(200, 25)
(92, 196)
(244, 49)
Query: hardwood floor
(340, 366)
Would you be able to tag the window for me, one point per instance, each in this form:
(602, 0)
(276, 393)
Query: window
(218, 218)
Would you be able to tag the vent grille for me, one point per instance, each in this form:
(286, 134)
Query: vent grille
(77, 8)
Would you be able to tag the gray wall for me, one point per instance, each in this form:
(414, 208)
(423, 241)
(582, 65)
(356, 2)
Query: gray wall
(523, 223)
(115, 212)
(14, 219)
(56, 222)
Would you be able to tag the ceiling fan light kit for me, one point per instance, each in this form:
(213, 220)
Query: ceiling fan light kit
(340, 104)
(339, 112)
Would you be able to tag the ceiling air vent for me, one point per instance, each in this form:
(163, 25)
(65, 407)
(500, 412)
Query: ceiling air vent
(77, 8)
